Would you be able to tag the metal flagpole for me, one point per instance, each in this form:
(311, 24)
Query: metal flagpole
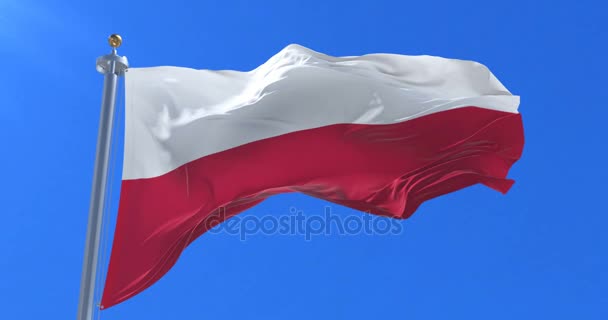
(111, 66)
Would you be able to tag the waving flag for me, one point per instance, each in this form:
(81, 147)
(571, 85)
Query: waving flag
(380, 133)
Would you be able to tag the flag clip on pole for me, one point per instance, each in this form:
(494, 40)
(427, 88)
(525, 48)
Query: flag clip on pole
(111, 66)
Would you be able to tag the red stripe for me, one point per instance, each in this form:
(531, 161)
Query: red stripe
(382, 169)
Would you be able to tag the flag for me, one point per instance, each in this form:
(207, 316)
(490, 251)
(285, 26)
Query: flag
(380, 133)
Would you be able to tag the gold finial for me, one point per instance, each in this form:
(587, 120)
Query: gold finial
(115, 40)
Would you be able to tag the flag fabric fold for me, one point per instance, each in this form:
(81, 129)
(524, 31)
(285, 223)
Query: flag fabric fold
(380, 133)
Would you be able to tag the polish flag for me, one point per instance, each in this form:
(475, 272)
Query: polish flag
(380, 133)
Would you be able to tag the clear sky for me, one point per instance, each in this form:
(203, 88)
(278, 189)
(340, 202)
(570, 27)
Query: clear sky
(539, 252)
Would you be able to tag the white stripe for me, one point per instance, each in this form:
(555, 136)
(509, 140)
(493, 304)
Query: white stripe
(177, 115)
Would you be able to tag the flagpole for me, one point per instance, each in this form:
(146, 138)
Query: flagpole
(112, 66)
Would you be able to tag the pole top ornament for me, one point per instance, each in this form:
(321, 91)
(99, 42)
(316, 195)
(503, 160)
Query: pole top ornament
(113, 63)
(115, 40)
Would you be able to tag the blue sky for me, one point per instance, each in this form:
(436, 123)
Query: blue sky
(538, 252)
